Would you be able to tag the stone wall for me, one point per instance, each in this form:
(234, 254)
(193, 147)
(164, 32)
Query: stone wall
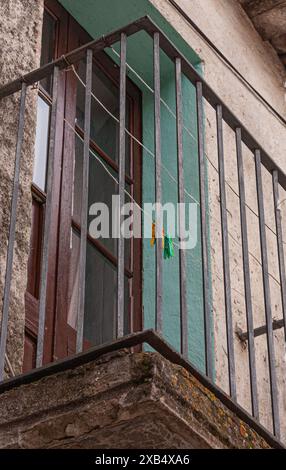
(228, 26)
(20, 38)
(269, 18)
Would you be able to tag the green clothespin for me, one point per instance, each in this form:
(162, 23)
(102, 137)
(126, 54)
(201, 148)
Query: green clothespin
(168, 247)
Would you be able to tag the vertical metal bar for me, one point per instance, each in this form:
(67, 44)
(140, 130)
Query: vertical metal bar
(12, 231)
(279, 237)
(246, 274)
(267, 299)
(204, 231)
(121, 189)
(181, 198)
(158, 183)
(225, 255)
(84, 203)
(47, 224)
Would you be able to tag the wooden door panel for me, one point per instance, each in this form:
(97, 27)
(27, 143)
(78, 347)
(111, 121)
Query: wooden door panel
(60, 337)
(31, 331)
(55, 11)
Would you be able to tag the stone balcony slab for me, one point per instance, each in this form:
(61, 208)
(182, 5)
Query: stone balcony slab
(121, 400)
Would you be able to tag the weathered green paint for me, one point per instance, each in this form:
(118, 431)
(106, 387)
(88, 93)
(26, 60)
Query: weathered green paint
(98, 18)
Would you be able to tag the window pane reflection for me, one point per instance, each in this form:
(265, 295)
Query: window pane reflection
(100, 295)
(41, 144)
(48, 47)
(101, 189)
(104, 128)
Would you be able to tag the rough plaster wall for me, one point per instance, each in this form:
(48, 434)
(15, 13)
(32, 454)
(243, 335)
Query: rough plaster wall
(20, 36)
(269, 18)
(226, 24)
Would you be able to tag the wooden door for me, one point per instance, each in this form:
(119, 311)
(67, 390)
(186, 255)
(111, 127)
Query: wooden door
(54, 44)
(101, 253)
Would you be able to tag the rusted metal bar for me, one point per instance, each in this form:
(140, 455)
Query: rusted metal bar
(47, 224)
(158, 182)
(246, 275)
(73, 57)
(181, 199)
(267, 299)
(280, 249)
(204, 232)
(261, 330)
(121, 188)
(12, 232)
(84, 204)
(225, 255)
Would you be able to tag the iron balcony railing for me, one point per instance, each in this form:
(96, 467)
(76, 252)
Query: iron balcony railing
(154, 338)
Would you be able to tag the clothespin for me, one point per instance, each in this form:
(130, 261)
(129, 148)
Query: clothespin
(153, 239)
(167, 242)
(168, 247)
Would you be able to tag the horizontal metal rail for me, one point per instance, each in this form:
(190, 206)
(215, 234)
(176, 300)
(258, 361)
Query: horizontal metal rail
(147, 25)
(261, 330)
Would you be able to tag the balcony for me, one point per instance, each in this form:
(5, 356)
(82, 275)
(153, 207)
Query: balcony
(171, 386)
(151, 404)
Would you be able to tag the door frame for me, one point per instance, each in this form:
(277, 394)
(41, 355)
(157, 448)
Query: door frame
(38, 196)
(69, 33)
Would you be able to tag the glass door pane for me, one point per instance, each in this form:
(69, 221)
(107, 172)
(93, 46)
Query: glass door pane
(102, 187)
(48, 47)
(101, 271)
(100, 295)
(104, 113)
(41, 144)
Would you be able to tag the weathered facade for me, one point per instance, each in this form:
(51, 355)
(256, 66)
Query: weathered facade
(21, 27)
(269, 19)
(183, 410)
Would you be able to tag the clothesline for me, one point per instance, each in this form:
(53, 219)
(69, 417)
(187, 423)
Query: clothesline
(212, 217)
(184, 127)
(138, 205)
(148, 87)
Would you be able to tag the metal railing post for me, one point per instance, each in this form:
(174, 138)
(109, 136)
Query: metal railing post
(121, 188)
(204, 232)
(267, 299)
(12, 231)
(84, 203)
(181, 200)
(246, 275)
(47, 224)
(158, 182)
(225, 255)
